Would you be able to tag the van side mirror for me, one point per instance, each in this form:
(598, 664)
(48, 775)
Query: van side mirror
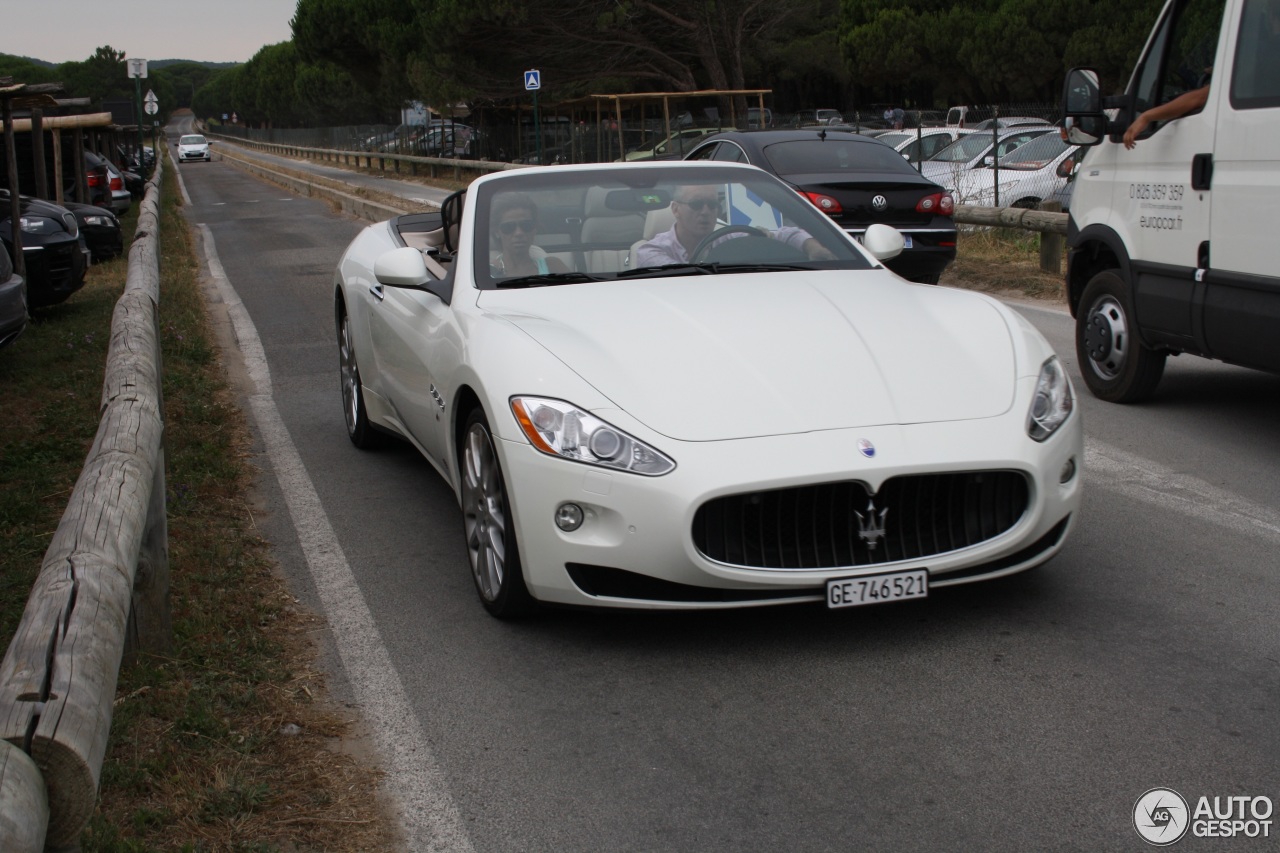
(1081, 95)
(1084, 120)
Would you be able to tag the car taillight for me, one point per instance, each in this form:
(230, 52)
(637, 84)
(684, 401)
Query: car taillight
(941, 203)
(825, 203)
(116, 184)
(93, 179)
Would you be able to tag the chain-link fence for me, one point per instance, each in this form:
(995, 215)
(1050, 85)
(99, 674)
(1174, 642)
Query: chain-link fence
(969, 150)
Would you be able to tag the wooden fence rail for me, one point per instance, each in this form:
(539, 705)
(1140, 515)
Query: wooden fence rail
(102, 590)
(431, 166)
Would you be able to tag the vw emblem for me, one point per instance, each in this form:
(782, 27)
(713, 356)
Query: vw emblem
(879, 202)
(866, 448)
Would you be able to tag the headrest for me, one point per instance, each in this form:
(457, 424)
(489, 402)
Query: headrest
(657, 221)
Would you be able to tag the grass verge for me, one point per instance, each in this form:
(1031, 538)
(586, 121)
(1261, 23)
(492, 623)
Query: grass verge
(227, 743)
(1005, 261)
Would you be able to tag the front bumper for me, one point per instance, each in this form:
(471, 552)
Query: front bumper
(636, 547)
(54, 271)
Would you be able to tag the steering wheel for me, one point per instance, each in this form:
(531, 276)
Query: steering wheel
(704, 245)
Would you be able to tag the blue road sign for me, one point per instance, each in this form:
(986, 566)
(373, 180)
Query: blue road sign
(533, 80)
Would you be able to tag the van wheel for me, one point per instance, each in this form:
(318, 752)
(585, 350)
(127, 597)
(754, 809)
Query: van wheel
(488, 525)
(1115, 365)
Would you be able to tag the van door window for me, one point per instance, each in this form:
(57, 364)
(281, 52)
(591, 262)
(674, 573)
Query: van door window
(1182, 54)
(1255, 75)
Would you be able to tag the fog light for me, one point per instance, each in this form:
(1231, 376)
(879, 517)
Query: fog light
(569, 517)
(1068, 471)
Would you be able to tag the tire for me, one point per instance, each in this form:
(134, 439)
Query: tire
(488, 526)
(360, 430)
(928, 279)
(1115, 364)
(1026, 203)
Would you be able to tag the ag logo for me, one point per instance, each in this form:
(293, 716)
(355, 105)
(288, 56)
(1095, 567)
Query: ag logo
(1161, 816)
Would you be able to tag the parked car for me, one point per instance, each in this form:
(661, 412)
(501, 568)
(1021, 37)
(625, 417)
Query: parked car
(778, 428)
(758, 119)
(193, 146)
(121, 198)
(923, 146)
(97, 178)
(856, 181)
(1005, 122)
(54, 257)
(1028, 175)
(99, 230)
(13, 301)
(452, 139)
(672, 147)
(133, 181)
(805, 118)
(948, 165)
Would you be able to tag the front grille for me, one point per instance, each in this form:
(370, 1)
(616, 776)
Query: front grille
(818, 527)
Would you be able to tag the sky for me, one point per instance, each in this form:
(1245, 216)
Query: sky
(71, 30)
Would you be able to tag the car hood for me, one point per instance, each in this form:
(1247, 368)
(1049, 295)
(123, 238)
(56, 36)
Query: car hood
(709, 358)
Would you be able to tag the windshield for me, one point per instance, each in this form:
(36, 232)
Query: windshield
(965, 149)
(893, 140)
(580, 226)
(1036, 154)
(836, 155)
(191, 140)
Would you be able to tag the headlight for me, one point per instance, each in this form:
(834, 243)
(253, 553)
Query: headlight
(561, 429)
(1051, 404)
(101, 221)
(38, 225)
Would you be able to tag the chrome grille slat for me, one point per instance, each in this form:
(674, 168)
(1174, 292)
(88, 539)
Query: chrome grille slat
(816, 527)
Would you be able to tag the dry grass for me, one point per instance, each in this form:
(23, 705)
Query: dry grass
(1004, 261)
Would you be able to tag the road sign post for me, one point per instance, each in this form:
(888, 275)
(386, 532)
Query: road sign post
(533, 82)
(138, 70)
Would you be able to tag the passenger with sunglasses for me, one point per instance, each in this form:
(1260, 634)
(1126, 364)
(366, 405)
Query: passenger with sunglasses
(697, 213)
(514, 220)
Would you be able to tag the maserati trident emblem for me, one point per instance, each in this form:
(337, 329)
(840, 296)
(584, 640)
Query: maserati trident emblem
(879, 202)
(871, 525)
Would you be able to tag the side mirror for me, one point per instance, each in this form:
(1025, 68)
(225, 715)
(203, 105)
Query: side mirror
(883, 241)
(1081, 94)
(1084, 120)
(1086, 130)
(402, 267)
(989, 160)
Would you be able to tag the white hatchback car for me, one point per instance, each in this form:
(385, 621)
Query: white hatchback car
(193, 146)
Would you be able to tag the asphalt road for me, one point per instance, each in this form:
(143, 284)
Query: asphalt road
(1027, 714)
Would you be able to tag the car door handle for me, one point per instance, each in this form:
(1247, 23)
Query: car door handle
(376, 290)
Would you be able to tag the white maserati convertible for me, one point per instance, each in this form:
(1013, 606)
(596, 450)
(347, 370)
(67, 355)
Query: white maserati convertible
(679, 385)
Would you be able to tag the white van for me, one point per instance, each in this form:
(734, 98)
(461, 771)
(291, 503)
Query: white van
(1172, 245)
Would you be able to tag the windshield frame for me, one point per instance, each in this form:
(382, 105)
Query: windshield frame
(659, 179)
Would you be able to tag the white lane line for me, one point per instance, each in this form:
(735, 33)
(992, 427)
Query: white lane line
(430, 818)
(186, 199)
(1142, 479)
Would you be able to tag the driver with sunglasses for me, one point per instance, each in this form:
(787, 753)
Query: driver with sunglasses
(697, 213)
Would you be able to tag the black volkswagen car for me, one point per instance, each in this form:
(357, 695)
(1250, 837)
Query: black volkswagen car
(52, 252)
(857, 181)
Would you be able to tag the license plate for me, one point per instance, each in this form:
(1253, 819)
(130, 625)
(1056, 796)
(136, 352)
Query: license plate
(877, 589)
(907, 241)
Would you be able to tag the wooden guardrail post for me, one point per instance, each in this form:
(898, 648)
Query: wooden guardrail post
(58, 677)
(25, 813)
(1051, 243)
